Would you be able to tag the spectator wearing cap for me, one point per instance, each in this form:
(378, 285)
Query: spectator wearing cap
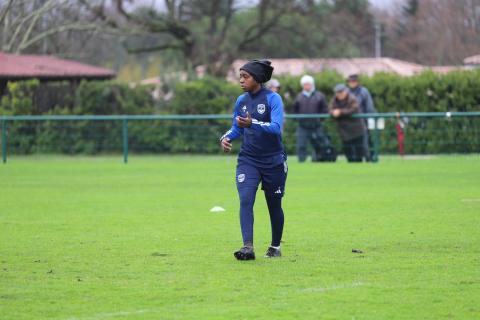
(310, 101)
(365, 102)
(273, 85)
(351, 130)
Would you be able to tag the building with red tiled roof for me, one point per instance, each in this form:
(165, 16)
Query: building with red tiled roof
(66, 73)
(21, 67)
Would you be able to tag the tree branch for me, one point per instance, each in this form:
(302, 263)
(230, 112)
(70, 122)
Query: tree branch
(33, 22)
(174, 46)
(5, 11)
(228, 17)
(32, 17)
(68, 27)
(98, 12)
(263, 25)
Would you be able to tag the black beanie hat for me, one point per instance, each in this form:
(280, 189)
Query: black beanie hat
(260, 70)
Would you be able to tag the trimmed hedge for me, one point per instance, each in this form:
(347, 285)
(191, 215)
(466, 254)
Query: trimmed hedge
(73, 137)
(428, 92)
(205, 96)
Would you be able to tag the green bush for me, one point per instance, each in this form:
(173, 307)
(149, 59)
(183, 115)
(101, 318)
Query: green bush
(73, 137)
(427, 92)
(107, 98)
(19, 99)
(206, 96)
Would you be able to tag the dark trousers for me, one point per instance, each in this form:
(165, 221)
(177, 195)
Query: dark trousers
(354, 149)
(273, 183)
(315, 136)
(366, 146)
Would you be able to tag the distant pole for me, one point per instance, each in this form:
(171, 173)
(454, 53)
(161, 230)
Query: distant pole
(378, 40)
(376, 142)
(125, 141)
(4, 141)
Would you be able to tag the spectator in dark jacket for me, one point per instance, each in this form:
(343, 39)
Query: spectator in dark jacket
(310, 101)
(366, 105)
(351, 130)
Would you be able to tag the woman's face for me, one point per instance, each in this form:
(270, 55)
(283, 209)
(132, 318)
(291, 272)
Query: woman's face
(247, 83)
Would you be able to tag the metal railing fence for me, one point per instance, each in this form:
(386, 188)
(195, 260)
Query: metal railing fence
(424, 133)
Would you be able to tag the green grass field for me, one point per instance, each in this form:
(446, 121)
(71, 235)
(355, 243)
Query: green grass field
(92, 238)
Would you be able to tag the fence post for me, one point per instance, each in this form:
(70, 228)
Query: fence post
(376, 141)
(125, 140)
(4, 141)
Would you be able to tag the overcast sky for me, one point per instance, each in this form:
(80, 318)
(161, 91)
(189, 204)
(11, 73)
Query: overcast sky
(387, 4)
(383, 4)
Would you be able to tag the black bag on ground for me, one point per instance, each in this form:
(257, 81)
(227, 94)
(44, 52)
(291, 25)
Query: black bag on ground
(326, 154)
(324, 151)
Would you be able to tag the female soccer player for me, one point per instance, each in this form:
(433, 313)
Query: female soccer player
(258, 116)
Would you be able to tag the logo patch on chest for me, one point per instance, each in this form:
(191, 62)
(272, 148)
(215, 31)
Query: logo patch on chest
(261, 108)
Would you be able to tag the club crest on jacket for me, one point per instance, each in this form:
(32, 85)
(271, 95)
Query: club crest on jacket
(261, 108)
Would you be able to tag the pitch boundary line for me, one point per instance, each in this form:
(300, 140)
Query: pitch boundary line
(334, 287)
(108, 315)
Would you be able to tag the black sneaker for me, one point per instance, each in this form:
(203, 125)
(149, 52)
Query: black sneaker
(245, 253)
(273, 253)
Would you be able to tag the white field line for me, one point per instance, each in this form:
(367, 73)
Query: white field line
(100, 316)
(470, 200)
(334, 287)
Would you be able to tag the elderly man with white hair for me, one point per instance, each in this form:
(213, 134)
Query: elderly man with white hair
(310, 101)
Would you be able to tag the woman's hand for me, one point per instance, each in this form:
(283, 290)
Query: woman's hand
(244, 122)
(226, 145)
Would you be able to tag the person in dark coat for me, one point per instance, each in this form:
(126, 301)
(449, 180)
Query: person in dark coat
(351, 130)
(310, 101)
(366, 105)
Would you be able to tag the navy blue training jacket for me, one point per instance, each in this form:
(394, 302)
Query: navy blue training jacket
(262, 143)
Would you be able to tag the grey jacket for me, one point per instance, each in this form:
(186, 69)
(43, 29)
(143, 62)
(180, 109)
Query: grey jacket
(316, 103)
(364, 99)
(348, 128)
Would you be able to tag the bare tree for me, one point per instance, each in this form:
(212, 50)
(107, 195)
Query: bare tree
(27, 23)
(202, 31)
(436, 32)
(4, 10)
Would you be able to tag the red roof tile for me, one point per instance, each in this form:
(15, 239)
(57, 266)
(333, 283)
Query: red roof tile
(13, 66)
